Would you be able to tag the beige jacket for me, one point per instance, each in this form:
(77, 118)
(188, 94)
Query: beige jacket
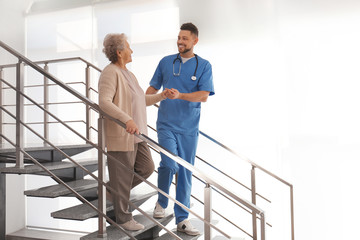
(115, 99)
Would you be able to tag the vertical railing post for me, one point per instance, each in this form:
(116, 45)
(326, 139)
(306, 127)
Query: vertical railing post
(2, 203)
(101, 176)
(46, 104)
(207, 211)
(19, 114)
(1, 103)
(262, 226)
(87, 108)
(292, 212)
(253, 200)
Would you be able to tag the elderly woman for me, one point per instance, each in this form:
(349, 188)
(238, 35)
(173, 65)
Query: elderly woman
(121, 96)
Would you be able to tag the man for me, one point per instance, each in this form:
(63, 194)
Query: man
(189, 80)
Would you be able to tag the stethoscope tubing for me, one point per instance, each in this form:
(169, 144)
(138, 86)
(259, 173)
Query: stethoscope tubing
(193, 77)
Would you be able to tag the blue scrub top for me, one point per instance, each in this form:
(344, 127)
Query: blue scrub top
(178, 115)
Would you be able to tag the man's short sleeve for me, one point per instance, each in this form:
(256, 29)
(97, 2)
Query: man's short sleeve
(157, 79)
(206, 80)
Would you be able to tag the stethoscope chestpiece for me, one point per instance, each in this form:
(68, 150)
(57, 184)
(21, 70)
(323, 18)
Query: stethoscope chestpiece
(193, 78)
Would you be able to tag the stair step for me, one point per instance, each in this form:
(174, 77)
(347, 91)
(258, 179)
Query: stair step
(52, 166)
(43, 153)
(80, 212)
(89, 194)
(182, 235)
(32, 234)
(195, 222)
(83, 211)
(114, 233)
(60, 190)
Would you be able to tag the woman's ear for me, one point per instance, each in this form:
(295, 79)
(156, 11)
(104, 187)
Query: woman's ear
(118, 53)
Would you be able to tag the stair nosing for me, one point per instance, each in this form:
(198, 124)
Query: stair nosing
(111, 230)
(52, 166)
(58, 190)
(45, 148)
(89, 212)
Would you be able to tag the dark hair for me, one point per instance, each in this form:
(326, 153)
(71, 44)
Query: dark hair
(190, 27)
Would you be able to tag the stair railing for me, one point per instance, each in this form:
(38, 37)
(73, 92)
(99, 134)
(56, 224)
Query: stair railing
(254, 166)
(253, 182)
(209, 182)
(89, 127)
(46, 86)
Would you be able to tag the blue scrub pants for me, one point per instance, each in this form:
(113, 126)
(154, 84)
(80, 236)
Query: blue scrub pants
(185, 147)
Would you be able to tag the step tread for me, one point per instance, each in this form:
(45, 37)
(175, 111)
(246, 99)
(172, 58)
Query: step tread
(28, 234)
(43, 148)
(43, 153)
(31, 169)
(195, 222)
(113, 233)
(57, 190)
(84, 211)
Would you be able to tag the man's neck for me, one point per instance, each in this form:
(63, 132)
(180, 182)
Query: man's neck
(188, 54)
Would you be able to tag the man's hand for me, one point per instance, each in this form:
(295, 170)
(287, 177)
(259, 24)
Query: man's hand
(131, 127)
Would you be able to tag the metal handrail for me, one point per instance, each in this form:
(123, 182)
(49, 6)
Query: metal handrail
(42, 85)
(246, 159)
(254, 165)
(51, 122)
(54, 103)
(55, 61)
(145, 138)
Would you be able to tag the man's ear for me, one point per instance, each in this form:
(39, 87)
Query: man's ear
(196, 40)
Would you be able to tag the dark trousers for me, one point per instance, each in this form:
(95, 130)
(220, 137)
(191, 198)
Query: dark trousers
(122, 181)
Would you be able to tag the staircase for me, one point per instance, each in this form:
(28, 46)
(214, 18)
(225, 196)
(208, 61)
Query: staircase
(84, 178)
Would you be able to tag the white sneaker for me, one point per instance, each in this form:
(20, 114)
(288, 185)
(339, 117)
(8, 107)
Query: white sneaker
(132, 225)
(186, 227)
(159, 211)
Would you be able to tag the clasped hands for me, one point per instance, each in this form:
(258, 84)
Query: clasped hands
(172, 93)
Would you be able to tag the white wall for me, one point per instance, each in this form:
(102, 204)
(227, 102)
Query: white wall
(12, 32)
(287, 80)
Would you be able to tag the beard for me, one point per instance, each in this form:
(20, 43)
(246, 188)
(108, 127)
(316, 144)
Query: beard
(185, 50)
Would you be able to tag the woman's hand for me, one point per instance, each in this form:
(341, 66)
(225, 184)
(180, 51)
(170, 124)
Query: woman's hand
(131, 127)
(164, 93)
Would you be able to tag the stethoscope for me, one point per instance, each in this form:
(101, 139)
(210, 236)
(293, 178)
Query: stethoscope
(178, 74)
